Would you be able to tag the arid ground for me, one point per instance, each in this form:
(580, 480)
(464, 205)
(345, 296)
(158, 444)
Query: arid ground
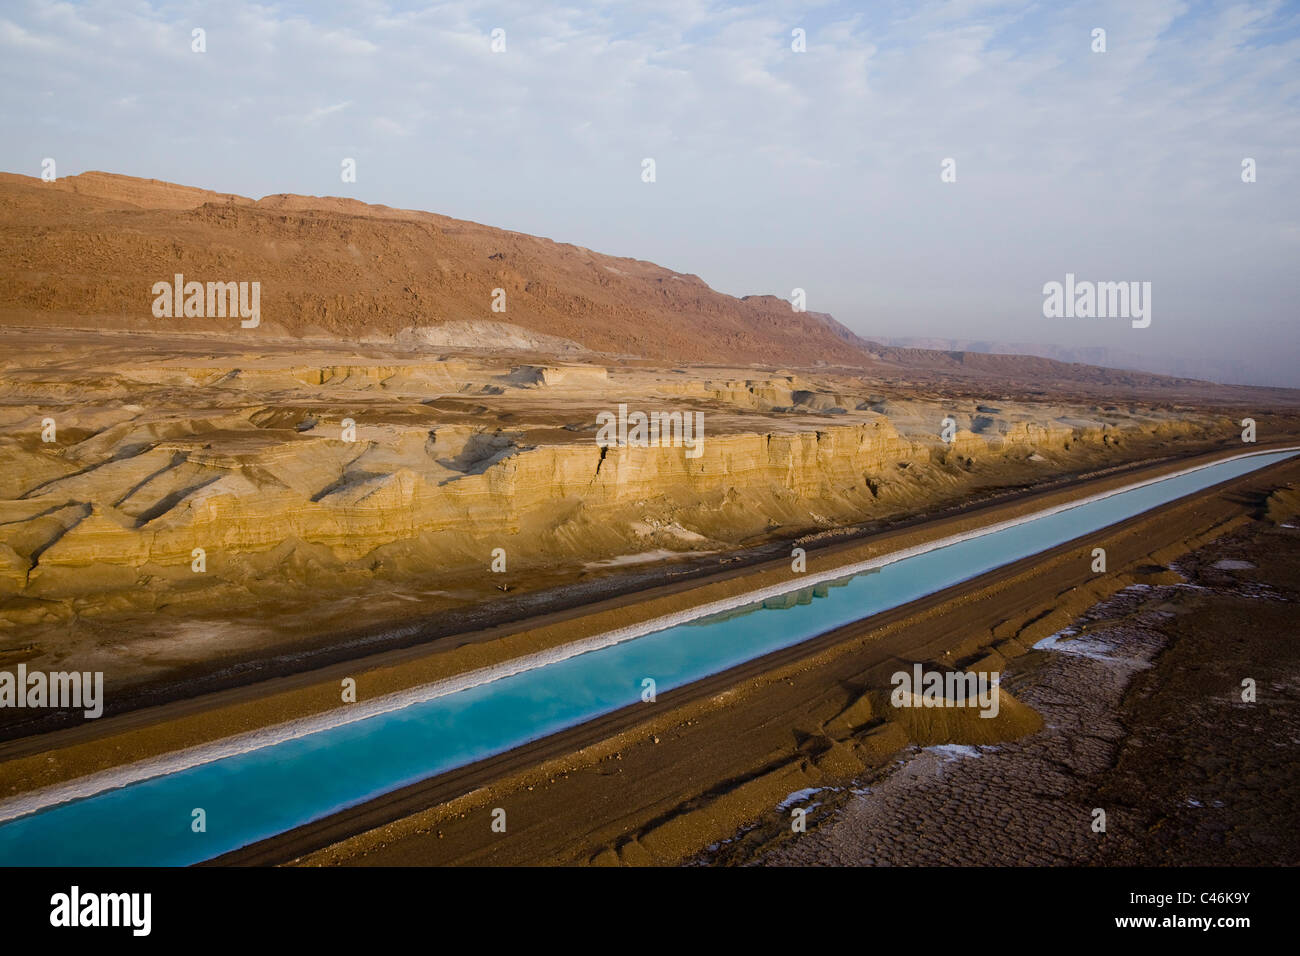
(388, 480)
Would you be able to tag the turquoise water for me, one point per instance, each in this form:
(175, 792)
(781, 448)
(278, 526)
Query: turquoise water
(254, 795)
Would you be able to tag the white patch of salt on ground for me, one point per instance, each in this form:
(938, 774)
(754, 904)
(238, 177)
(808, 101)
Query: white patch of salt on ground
(1067, 643)
(954, 751)
(641, 558)
(799, 796)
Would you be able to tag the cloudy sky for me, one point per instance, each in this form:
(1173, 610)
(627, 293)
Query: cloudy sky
(775, 169)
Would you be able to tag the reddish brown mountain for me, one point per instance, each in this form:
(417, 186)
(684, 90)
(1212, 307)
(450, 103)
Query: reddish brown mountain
(86, 250)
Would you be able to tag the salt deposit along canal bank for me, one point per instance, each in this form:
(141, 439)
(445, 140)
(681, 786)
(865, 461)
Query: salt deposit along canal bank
(258, 785)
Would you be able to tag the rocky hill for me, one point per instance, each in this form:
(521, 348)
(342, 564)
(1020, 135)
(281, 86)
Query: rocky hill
(85, 252)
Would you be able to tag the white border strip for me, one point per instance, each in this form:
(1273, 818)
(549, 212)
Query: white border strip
(122, 776)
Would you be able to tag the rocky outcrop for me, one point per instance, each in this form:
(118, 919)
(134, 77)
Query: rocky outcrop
(355, 499)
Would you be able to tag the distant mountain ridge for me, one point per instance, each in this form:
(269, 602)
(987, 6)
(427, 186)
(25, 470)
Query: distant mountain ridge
(86, 250)
(1214, 370)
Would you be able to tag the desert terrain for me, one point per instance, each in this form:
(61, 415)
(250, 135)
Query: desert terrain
(162, 448)
(385, 478)
(1145, 720)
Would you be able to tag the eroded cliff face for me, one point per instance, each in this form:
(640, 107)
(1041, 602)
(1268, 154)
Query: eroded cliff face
(191, 481)
(160, 504)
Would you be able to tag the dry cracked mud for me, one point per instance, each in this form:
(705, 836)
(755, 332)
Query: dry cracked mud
(1144, 720)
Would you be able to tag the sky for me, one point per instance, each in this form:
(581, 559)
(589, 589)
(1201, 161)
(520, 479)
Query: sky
(774, 168)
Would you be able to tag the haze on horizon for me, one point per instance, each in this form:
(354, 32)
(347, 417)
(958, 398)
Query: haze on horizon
(775, 169)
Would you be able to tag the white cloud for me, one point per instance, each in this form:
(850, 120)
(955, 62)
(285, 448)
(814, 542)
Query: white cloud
(320, 112)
